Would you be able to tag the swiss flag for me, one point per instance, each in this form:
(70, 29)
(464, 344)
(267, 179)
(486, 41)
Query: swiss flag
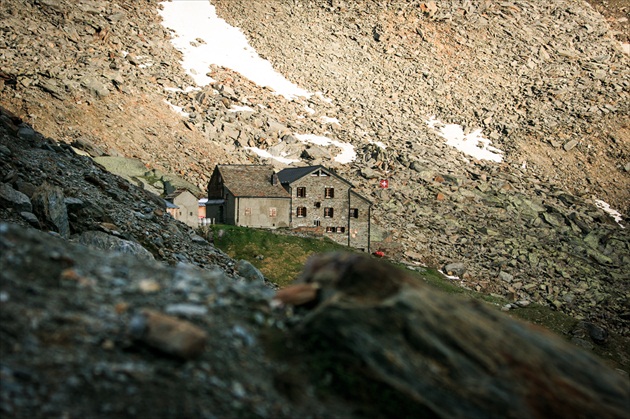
(384, 184)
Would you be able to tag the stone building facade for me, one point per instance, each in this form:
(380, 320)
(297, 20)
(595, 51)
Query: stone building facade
(311, 198)
(359, 214)
(184, 206)
(321, 199)
(247, 195)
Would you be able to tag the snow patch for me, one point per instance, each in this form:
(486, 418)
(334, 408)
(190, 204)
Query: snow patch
(178, 109)
(347, 154)
(178, 90)
(473, 144)
(379, 144)
(205, 39)
(328, 120)
(267, 155)
(321, 96)
(236, 108)
(614, 214)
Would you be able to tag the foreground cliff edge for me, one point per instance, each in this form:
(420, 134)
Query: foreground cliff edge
(371, 342)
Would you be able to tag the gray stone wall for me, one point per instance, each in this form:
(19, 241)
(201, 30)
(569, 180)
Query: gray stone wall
(359, 233)
(255, 212)
(188, 211)
(315, 193)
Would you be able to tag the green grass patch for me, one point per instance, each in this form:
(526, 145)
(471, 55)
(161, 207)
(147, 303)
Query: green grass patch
(279, 257)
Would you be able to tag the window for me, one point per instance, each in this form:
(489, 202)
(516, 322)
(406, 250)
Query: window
(341, 229)
(330, 229)
(354, 213)
(317, 223)
(301, 192)
(248, 211)
(328, 212)
(318, 204)
(273, 212)
(329, 192)
(301, 211)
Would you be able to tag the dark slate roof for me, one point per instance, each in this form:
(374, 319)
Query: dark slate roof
(292, 174)
(174, 194)
(248, 180)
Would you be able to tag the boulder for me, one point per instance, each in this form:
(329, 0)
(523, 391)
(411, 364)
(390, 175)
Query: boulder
(50, 208)
(104, 241)
(10, 198)
(455, 269)
(249, 271)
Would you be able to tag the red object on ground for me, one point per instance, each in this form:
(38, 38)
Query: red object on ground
(379, 253)
(384, 184)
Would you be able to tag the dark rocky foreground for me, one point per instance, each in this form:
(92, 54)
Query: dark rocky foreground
(88, 333)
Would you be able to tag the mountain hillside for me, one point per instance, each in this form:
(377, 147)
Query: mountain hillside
(547, 82)
(111, 308)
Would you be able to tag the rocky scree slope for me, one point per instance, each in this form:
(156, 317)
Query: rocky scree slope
(47, 185)
(93, 74)
(548, 82)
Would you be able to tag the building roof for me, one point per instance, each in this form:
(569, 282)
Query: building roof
(292, 174)
(246, 180)
(215, 202)
(176, 193)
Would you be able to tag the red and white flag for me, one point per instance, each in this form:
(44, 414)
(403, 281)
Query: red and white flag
(384, 184)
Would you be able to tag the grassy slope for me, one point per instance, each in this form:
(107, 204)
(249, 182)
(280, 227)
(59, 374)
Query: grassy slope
(281, 257)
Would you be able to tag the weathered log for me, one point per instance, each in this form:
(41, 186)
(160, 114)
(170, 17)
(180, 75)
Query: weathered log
(396, 347)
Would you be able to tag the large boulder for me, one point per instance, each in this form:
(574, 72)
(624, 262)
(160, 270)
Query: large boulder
(11, 198)
(104, 241)
(249, 271)
(50, 207)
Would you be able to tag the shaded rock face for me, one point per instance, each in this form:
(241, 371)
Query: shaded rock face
(71, 195)
(49, 206)
(104, 241)
(11, 198)
(82, 333)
